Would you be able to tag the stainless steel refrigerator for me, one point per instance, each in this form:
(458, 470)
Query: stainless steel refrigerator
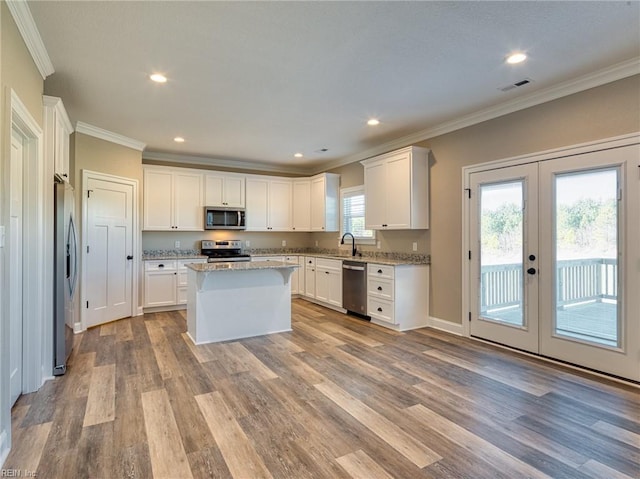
(65, 275)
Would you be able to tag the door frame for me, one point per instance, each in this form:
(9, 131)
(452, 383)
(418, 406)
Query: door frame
(37, 323)
(598, 145)
(136, 238)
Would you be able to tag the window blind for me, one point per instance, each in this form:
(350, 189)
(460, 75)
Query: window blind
(353, 215)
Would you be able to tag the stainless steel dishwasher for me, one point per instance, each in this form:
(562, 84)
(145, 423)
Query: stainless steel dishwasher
(354, 287)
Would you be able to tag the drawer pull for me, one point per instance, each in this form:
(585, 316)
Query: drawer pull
(160, 266)
(379, 288)
(380, 271)
(380, 310)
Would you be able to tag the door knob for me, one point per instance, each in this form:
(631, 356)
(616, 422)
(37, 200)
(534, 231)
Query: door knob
(129, 257)
(531, 271)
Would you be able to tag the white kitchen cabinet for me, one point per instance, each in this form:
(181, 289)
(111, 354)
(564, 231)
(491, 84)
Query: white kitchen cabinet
(310, 277)
(165, 282)
(329, 281)
(398, 296)
(57, 129)
(397, 190)
(224, 190)
(268, 204)
(301, 275)
(325, 195)
(301, 207)
(172, 200)
(295, 276)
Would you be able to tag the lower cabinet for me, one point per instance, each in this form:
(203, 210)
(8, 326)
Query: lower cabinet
(329, 281)
(309, 277)
(398, 296)
(165, 282)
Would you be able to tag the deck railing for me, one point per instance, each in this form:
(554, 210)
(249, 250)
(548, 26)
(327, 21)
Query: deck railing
(577, 281)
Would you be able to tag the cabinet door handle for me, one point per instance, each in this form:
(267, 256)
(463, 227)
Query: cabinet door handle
(379, 288)
(326, 272)
(380, 310)
(129, 257)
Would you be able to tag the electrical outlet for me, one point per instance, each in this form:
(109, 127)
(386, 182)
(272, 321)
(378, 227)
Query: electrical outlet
(2, 236)
(316, 243)
(284, 242)
(415, 246)
(247, 244)
(379, 245)
(176, 244)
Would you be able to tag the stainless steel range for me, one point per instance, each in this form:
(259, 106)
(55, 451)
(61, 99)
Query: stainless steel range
(221, 251)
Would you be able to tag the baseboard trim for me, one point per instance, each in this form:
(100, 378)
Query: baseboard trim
(444, 325)
(140, 311)
(77, 328)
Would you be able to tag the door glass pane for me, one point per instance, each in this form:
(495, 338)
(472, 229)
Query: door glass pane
(586, 256)
(501, 252)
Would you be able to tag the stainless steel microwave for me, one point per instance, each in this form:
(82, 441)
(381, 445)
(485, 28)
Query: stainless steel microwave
(220, 218)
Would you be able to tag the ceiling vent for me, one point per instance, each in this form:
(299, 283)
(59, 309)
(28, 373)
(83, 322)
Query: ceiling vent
(517, 84)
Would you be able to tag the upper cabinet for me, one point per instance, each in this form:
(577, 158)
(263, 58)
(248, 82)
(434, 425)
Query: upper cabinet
(173, 199)
(325, 193)
(268, 203)
(301, 204)
(397, 190)
(57, 129)
(224, 190)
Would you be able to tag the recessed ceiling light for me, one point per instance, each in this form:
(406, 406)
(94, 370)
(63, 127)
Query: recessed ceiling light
(517, 57)
(158, 78)
(178, 139)
(373, 122)
(298, 155)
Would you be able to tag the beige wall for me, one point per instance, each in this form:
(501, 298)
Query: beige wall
(19, 72)
(153, 240)
(602, 112)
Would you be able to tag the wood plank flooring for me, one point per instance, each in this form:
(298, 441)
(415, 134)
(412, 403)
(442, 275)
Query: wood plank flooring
(335, 398)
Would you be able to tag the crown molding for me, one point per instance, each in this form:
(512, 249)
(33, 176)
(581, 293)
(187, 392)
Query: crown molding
(234, 164)
(27, 27)
(585, 82)
(57, 104)
(106, 135)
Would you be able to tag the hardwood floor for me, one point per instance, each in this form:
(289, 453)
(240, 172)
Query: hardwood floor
(335, 398)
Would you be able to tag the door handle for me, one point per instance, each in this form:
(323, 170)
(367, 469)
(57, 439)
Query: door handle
(531, 271)
(129, 257)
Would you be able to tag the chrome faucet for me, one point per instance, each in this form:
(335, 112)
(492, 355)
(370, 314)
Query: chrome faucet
(353, 243)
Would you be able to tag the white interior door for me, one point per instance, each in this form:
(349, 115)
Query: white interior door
(110, 251)
(16, 267)
(504, 251)
(556, 260)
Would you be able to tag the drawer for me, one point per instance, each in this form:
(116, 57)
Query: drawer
(160, 265)
(267, 258)
(380, 309)
(309, 261)
(182, 263)
(380, 288)
(380, 271)
(326, 263)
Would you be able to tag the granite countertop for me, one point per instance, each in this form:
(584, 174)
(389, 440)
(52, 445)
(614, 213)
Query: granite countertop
(171, 254)
(391, 259)
(240, 266)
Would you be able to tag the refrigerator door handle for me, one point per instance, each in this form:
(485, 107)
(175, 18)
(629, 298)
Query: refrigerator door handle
(72, 258)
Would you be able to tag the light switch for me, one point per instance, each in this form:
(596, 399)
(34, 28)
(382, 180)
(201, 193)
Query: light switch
(316, 243)
(284, 242)
(415, 246)
(247, 244)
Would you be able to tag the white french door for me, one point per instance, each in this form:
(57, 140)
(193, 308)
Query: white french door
(555, 258)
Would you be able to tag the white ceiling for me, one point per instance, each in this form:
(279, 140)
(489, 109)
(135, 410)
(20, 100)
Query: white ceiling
(260, 81)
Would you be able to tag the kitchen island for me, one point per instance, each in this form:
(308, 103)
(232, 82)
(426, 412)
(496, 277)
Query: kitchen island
(228, 301)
